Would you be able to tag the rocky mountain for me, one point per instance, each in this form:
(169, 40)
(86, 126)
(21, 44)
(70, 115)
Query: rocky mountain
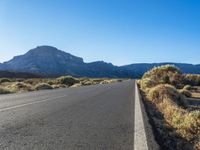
(50, 62)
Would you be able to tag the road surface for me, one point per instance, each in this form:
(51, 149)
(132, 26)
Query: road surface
(99, 117)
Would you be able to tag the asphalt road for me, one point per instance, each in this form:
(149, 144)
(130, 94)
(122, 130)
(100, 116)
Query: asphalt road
(99, 117)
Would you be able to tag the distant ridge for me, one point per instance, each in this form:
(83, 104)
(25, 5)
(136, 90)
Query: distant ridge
(11, 74)
(49, 61)
(141, 68)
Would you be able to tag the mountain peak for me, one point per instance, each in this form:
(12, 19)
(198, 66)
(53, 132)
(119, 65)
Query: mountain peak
(43, 49)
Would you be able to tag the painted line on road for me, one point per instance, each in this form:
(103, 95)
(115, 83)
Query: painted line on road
(140, 139)
(30, 103)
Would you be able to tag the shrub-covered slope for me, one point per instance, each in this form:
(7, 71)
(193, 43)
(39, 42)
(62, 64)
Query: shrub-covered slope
(177, 125)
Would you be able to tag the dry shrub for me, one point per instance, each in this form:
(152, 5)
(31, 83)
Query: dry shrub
(168, 101)
(56, 86)
(76, 85)
(98, 80)
(115, 80)
(33, 81)
(187, 124)
(186, 93)
(187, 87)
(88, 82)
(192, 79)
(158, 93)
(147, 83)
(5, 91)
(20, 86)
(105, 82)
(159, 87)
(167, 74)
(51, 82)
(67, 80)
(43, 86)
(2, 80)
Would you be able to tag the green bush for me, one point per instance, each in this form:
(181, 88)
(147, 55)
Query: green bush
(67, 80)
(43, 86)
(2, 80)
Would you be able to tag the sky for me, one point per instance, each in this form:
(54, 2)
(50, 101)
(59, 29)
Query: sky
(117, 31)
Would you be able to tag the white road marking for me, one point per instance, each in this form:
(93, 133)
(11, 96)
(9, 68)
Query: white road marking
(30, 103)
(140, 139)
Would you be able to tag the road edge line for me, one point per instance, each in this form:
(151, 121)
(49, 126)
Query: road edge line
(140, 138)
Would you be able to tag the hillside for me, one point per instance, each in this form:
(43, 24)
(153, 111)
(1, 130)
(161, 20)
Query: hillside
(50, 62)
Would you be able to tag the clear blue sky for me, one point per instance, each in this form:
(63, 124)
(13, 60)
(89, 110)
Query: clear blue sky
(117, 31)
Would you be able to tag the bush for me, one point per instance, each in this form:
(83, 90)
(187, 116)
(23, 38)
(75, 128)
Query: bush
(59, 86)
(76, 85)
(89, 82)
(186, 123)
(167, 100)
(33, 81)
(18, 80)
(167, 74)
(51, 81)
(67, 80)
(98, 80)
(105, 82)
(2, 80)
(4, 91)
(43, 86)
(187, 87)
(165, 91)
(185, 92)
(147, 83)
(20, 86)
(159, 85)
(192, 79)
